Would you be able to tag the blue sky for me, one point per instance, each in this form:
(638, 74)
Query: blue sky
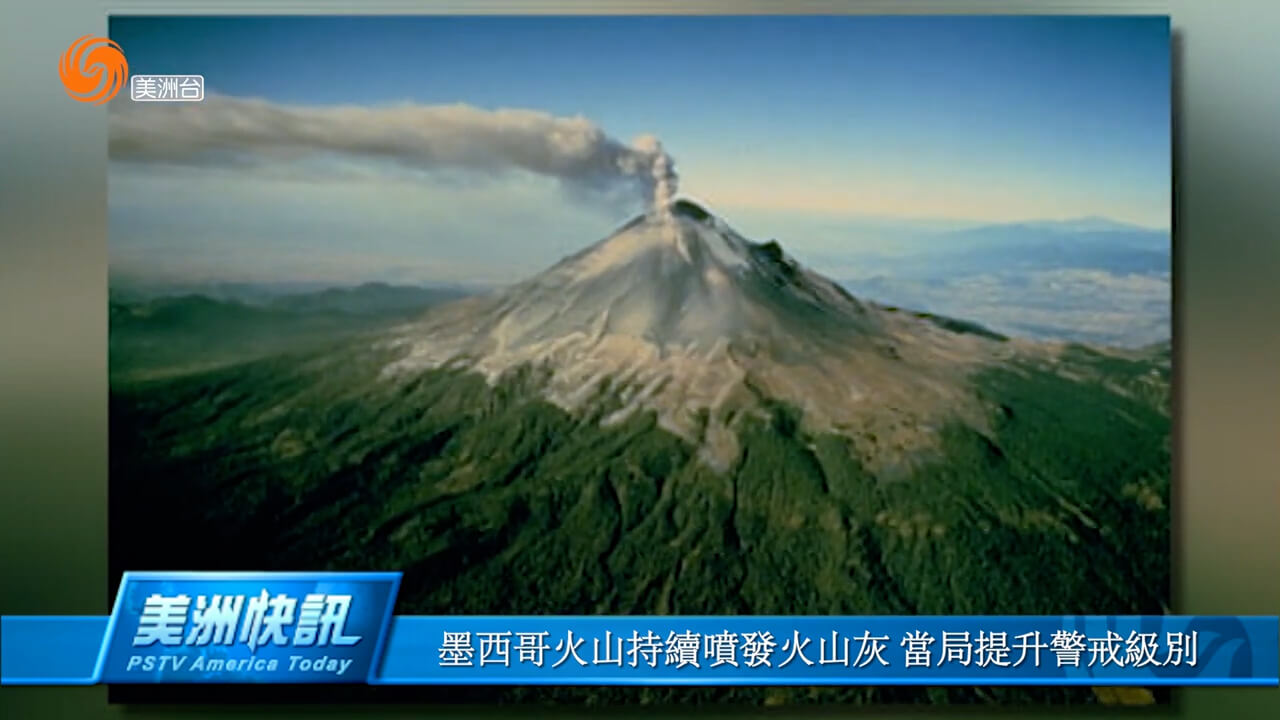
(777, 123)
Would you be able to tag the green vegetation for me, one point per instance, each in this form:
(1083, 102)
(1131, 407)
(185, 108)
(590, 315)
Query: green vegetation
(494, 501)
(175, 334)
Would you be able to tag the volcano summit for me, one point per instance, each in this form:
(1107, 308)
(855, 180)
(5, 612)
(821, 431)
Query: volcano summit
(675, 420)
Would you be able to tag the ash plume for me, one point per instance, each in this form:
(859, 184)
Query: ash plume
(221, 130)
(662, 171)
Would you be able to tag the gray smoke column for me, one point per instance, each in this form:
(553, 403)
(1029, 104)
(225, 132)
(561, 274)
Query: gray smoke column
(662, 169)
(229, 130)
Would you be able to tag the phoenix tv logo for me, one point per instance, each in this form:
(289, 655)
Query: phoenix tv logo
(94, 69)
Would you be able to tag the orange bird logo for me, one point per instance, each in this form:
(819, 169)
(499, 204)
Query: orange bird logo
(93, 69)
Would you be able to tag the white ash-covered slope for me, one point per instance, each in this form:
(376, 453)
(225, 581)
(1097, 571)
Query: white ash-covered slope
(677, 313)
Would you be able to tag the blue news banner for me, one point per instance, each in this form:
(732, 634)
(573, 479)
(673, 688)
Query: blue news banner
(188, 627)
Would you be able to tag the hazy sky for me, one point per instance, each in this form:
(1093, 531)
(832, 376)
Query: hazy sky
(778, 124)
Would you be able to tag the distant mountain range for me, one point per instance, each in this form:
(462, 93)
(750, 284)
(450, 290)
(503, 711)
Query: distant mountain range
(1092, 223)
(1089, 244)
(1095, 243)
(157, 328)
(363, 298)
(1090, 280)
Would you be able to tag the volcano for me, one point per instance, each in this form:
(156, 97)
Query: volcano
(676, 419)
(678, 314)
